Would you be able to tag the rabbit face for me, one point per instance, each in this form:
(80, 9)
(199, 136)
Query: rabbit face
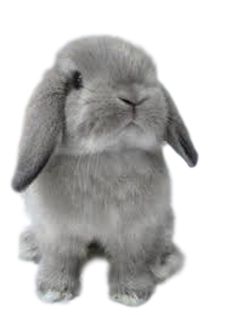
(114, 101)
(101, 94)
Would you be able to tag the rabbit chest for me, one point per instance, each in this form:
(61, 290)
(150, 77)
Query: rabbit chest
(97, 195)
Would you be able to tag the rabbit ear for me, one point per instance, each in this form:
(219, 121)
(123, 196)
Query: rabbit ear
(177, 134)
(42, 125)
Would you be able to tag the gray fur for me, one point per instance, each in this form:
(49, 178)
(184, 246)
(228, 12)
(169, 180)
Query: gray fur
(28, 246)
(90, 173)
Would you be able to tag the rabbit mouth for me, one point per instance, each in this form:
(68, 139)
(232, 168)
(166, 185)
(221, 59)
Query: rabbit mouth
(133, 124)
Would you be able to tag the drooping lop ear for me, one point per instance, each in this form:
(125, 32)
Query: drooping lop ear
(177, 134)
(42, 125)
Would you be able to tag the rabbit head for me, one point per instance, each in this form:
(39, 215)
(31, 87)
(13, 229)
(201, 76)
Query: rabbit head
(102, 94)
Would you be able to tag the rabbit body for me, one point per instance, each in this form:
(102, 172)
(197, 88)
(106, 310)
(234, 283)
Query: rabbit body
(103, 198)
(120, 200)
(92, 170)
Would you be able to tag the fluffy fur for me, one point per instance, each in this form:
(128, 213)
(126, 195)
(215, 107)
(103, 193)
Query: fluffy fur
(91, 170)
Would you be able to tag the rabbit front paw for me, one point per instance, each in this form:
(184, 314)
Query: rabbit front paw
(56, 283)
(55, 290)
(130, 288)
(131, 297)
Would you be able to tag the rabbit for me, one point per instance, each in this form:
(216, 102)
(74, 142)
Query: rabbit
(91, 171)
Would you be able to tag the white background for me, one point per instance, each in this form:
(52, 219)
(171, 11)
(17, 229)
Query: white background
(193, 43)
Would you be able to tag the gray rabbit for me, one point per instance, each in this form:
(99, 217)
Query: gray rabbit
(91, 170)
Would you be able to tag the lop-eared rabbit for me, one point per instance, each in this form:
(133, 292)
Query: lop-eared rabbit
(91, 170)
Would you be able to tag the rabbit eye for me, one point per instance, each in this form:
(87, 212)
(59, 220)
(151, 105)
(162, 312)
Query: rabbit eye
(77, 81)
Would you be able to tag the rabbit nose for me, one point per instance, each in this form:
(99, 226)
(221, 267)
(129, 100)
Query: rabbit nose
(127, 101)
(131, 102)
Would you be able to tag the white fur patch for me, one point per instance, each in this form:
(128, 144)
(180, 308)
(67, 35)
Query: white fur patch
(134, 137)
(52, 296)
(129, 300)
(131, 137)
(95, 144)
